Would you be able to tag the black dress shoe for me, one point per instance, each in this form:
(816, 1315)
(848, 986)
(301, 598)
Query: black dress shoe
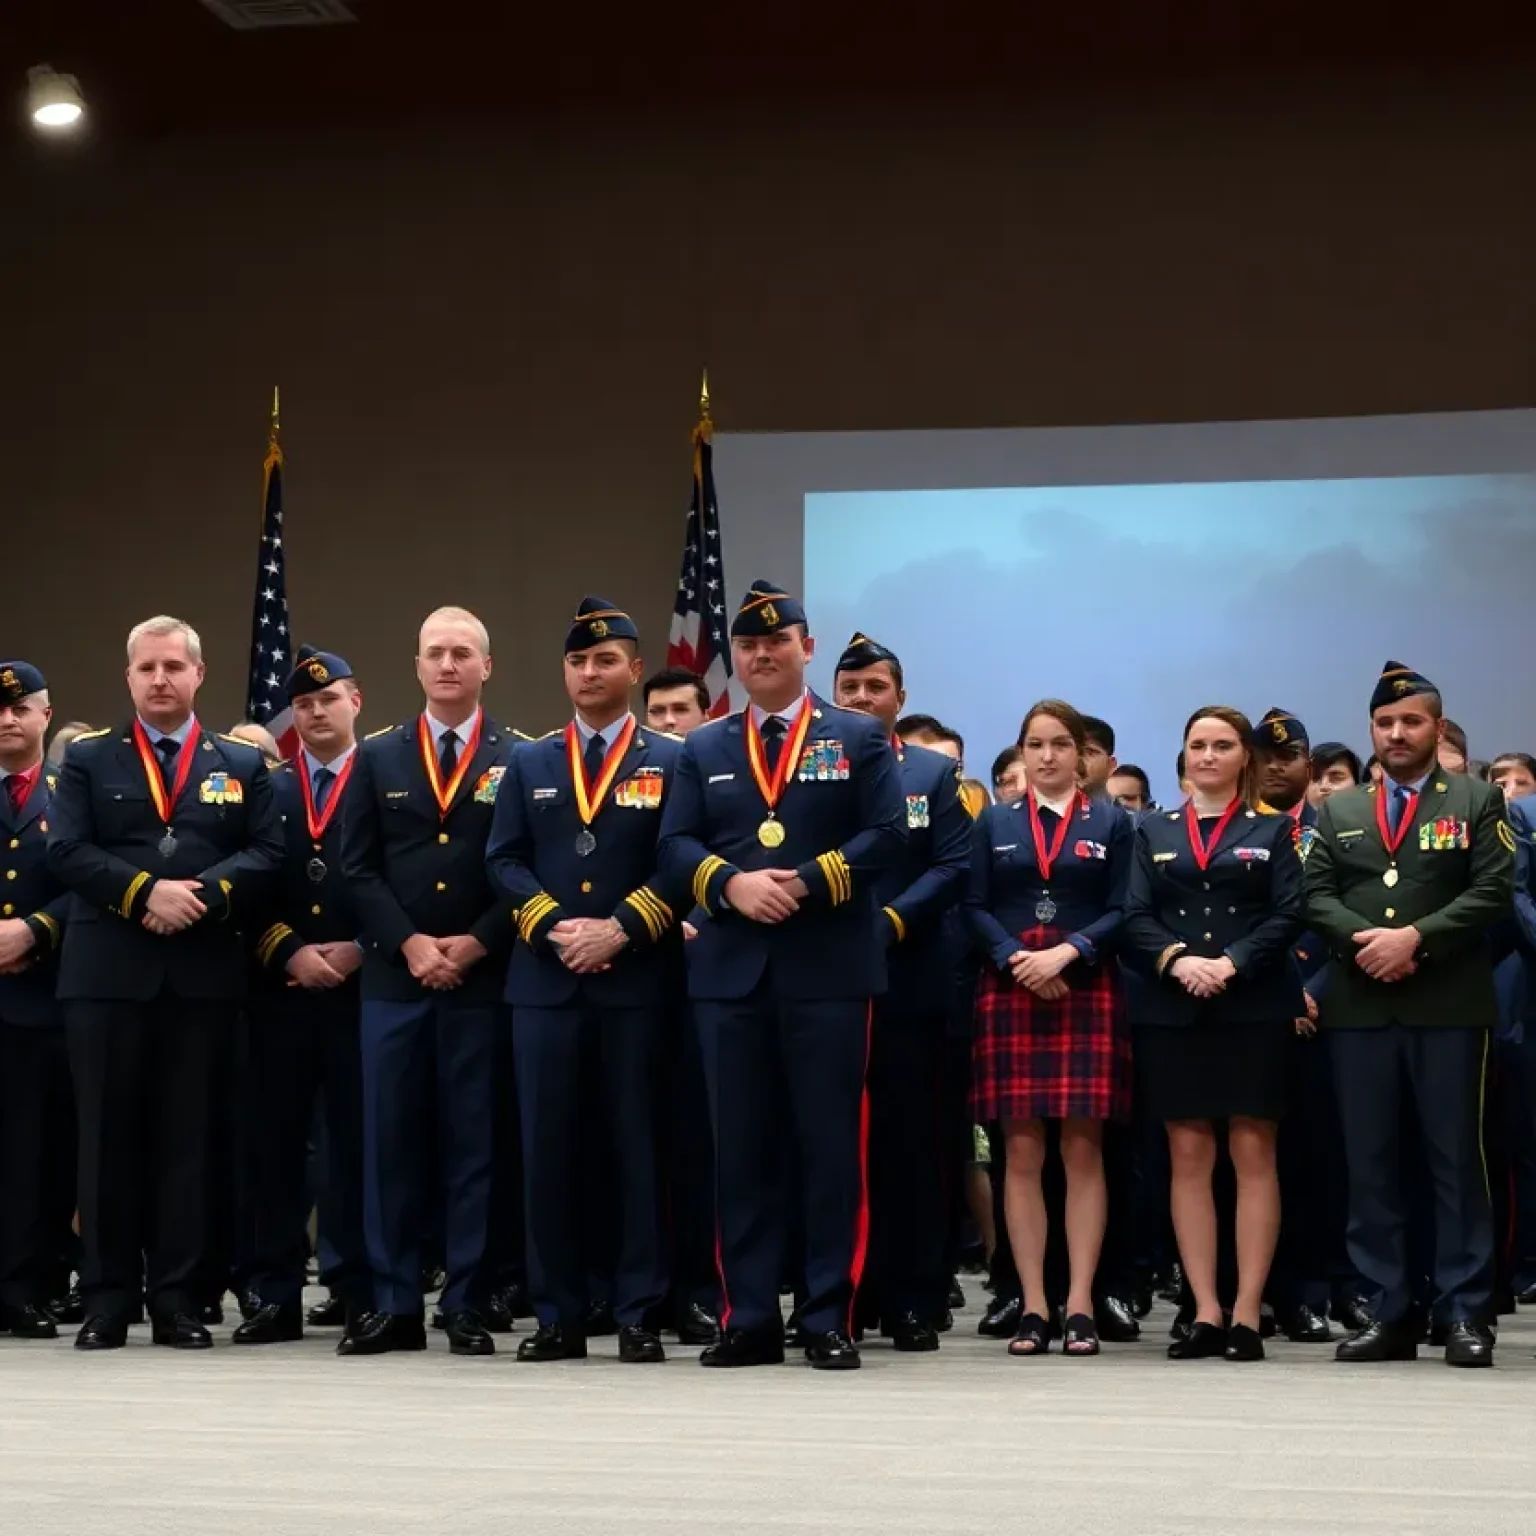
(101, 1333)
(29, 1321)
(1304, 1326)
(1527, 1297)
(1381, 1341)
(956, 1299)
(467, 1333)
(600, 1320)
(382, 1333)
(1141, 1303)
(69, 1308)
(832, 1351)
(1183, 1322)
(517, 1299)
(639, 1346)
(1468, 1344)
(1354, 1312)
(330, 1313)
(272, 1323)
(1172, 1286)
(497, 1316)
(439, 1319)
(250, 1304)
(742, 1346)
(549, 1341)
(1001, 1319)
(181, 1331)
(944, 1322)
(913, 1335)
(1204, 1341)
(433, 1279)
(1116, 1321)
(1244, 1343)
(696, 1324)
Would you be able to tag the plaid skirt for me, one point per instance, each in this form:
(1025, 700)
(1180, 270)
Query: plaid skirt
(1039, 1060)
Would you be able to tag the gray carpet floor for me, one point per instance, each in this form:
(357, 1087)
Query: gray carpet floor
(290, 1439)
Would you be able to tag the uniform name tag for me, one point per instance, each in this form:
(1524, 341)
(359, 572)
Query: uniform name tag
(917, 810)
(1004, 847)
(1163, 858)
(721, 778)
(545, 794)
(396, 794)
(1350, 832)
(220, 789)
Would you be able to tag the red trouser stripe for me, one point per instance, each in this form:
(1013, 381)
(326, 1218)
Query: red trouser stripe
(861, 1225)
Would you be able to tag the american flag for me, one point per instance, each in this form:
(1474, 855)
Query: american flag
(698, 637)
(265, 702)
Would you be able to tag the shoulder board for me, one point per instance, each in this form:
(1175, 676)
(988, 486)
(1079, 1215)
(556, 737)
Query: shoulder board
(521, 735)
(548, 735)
(238, 741)
(106, 730)
(382, 731)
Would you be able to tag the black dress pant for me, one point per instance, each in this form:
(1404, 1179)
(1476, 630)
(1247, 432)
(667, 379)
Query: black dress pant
(37, 1163)
(151, 1081)
(691, 1173)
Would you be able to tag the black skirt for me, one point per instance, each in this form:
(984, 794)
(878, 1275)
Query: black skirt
(1213, 1071)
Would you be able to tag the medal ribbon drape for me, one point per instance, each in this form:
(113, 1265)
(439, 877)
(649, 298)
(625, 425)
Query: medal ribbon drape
(589, 796)
(1383, 825)
(1043, 858)
(317, 822)
(165, 804)
(772, 786)
(1203, 850)
(443, 796)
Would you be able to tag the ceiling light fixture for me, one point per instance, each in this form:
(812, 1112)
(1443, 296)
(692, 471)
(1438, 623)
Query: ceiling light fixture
(53, 100)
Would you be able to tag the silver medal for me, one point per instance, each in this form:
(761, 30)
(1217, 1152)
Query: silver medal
(316, 870)
(167, 844)
(585, 842)
(1045, 909)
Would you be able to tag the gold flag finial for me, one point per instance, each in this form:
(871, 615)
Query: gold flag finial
(276, 423)
(704, 396)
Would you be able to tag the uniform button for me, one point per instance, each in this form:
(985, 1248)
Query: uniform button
(15, 842)
(1182, 912)
(1231, 909)
(1205, 885)
(442, 885)
(1207, 911)
(586, 886)
(1207, 938)
(442, 837)
(7, 909)
(316, 909)
(10, 874)
(1391, 912)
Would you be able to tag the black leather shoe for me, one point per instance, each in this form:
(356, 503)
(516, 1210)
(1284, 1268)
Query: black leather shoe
(518, 1301)
(1380, 1341)
(1268, 1327)
(1304, 1326)
(1001, 1319)
(793, 1337)
(30, 1322)
(549, 1341)
(497, 1316)
(101, 1333)
(1203, 1342)
(1354, 1312)
(832, 1351)
(273, 1323)
(639, 1346)
(600, 1320)
(250, 1305)
(944, 1322)
(1468, 1344)
(1183, 1322)
(1244, 1343)
(211, 1314)
(956, 1296)
(697, 1325)
(69, 1308)
(382, 1333)
(1172, 1287)
(181, 1331)
(1116, 1321)
(741, 1346)
(330, 1313)
(1142, 1303)
(1527, 1297)
(433, 1280)
(467, 1333)
(914, 1336)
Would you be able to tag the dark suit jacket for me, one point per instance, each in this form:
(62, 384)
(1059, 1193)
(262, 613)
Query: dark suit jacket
(32, 892)
(842, 831)
(1456, 869)
(1247, 905)
(103, 844)
(411, 870)
(534, 864)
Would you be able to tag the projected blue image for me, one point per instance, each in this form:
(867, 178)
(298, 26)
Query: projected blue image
(1139, 603)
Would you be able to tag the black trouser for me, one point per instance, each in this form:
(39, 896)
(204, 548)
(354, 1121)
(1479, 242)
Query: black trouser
(151, 1081)
(1518, 1063)
(37, 1163)
(691, 1172)
(506, 1261)
(304, 1044)
(959, 1146)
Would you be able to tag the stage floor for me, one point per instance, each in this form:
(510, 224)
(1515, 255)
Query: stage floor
(291, 1439)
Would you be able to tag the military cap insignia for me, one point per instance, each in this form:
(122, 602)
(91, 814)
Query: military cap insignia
(319, 671)
(1402, 685)
(1278, 731)
(770, 616)
(599, 628)
(8, 682)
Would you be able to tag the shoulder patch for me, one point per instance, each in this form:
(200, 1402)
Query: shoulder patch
(383, 730)
(1506, 836)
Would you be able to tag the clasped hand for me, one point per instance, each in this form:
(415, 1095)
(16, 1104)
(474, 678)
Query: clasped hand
(1387, 954)
(440, 963)
(16, 943)
(322, 966)
(1203, 978)
(587, 944)
(766, 895)
(173, 905)
(1040, 970)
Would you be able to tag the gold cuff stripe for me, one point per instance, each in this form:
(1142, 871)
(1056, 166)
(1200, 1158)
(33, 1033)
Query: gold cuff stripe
(657, 914)
(51, 924)
(266, 947)
(706, 872)
(896, 922)
(838, 876)
(533, 912)
(1169, 954)
(135, 885)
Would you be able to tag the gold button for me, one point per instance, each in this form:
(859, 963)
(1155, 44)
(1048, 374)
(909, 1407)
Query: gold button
(7, 909)
(586, 885)
(15, 842)
(316, 909)
(1391, 911)
(441, 886)
(442, 837)
(10, 874)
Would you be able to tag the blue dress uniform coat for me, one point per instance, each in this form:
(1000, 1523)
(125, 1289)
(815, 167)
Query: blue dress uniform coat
(37, 1102)
(907, 1152)
(783, 1009)
(616, 1020)
(410, 869)
(304, 1042)
(152, 1019)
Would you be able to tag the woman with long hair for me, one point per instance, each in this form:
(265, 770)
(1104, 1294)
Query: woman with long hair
(1048, 880)
(1214, 905)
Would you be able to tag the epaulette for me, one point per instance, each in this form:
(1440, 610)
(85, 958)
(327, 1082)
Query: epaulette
(548, 735)
(521, 735)
(106, 730)
(383, 730)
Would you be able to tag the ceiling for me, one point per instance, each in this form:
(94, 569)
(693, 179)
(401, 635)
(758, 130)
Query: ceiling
(169, 68)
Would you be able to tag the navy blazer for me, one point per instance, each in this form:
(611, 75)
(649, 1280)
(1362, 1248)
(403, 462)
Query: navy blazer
(533, 863)
(103, 843)
(1247, 904)
(33, 893)
(924, 884)
(1088, 880)
(845, 820)
(413, 870)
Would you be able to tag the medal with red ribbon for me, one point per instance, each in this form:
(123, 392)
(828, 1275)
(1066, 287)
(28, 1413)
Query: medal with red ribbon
(165, 802)
(1045, 859)
(589, 796)
(315, 821)
(1203, 850)
(444, 795)
(1393, 841)
(771, 832)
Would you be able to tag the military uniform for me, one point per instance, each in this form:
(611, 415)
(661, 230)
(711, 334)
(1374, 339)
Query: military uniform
(1452, 878)
(151, 1018)
(783, 1008)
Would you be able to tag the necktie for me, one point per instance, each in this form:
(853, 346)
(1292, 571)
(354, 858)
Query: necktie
(324, 779)
(13, 788)
(447, 755)
(772, 732)
(592, 759)
(1399, 805)
(169, 749)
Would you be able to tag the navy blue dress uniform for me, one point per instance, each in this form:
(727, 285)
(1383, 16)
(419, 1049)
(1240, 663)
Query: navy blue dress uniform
(575, 835)
(37, 1106)
(1451, 877)
(907, 1272)
(1520, 1054)
(416, 864)
(783, 1009)
(304, 1044)
(152, 1019)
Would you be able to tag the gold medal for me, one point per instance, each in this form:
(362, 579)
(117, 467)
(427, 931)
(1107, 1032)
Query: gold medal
(770, 786)
(771, 833)
(1390, 878)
